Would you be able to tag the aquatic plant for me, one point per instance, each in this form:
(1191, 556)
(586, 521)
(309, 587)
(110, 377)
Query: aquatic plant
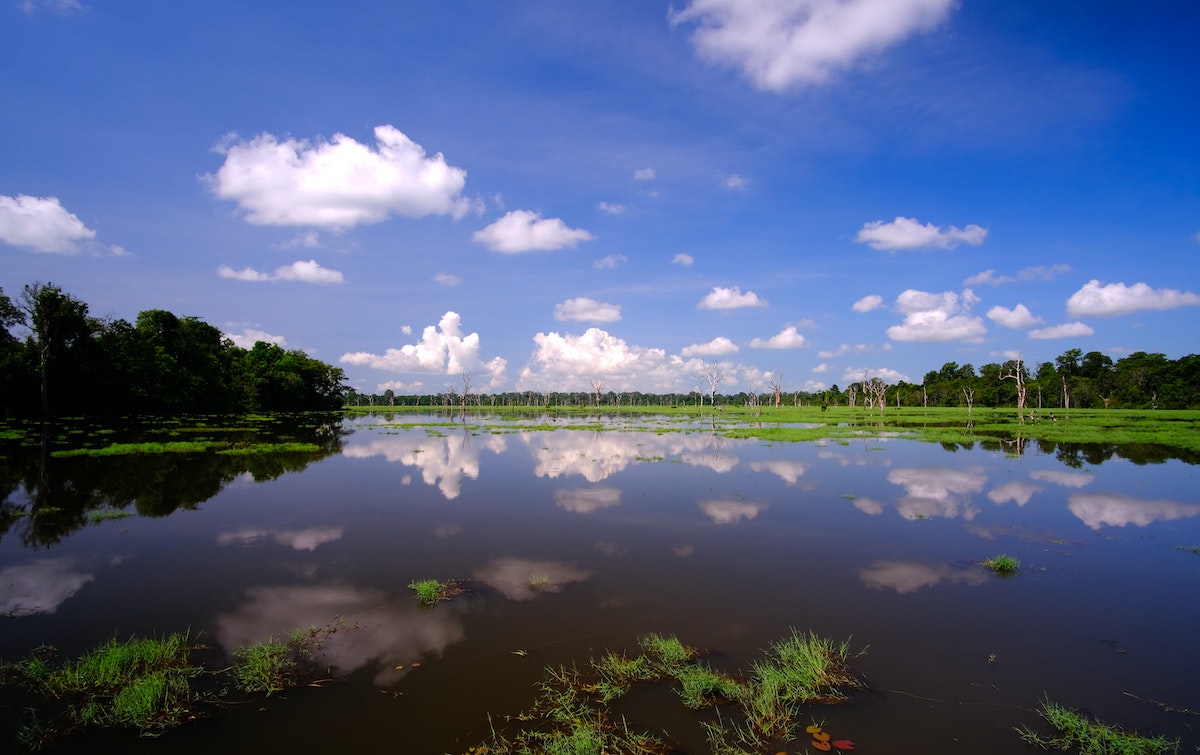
(432, 591)
(1073, 730)
(1003, 564)
(263, 667)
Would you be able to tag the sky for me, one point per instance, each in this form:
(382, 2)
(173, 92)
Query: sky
(549, 194)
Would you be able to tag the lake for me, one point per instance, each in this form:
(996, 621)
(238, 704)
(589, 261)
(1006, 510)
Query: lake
(574, 541)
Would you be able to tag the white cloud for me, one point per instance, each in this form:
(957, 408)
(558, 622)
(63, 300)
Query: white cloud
(683, 259)
(571, 362)
(525, 231)
(442, 349)
(937, 318)
(250, 336)
(858, 348)
(58, 6)
(305, 240)
(908, 233)
(587, 310)
(780, 44)
(868, 303)
(1118, 299)
(1017, 318)
(886, 374)
(305, 272)
(337, 184)
(41, 224)
(446, 279)
(717, 347)
(730, 298)
(787, 338)
(736, 182)
(821, 368)
(644, 174)
(1038, 273)
(612, 208)
(610, 262)
(1066, 330)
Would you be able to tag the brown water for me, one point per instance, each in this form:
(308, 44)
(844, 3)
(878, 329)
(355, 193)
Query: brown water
(727, 544)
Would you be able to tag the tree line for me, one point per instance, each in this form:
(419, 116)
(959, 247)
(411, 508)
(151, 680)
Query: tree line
(58, 360)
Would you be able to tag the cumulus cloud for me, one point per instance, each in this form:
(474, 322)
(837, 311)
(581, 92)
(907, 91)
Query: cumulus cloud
(717, 347)
(571, 362)
(730, 298)
(683, 259)
(783, 44)
(886, 374)
(1040, 272)
(1096, 300)
(644, 174)
(787, 338)
(524, 231)
(587, 310)
(1017, 318)
(612, 208)
(41, 224)
(339, 183)
(1066, 330)
(610, 262)
(250, 336)
(442, 349)
(937, 318)
(868, 303)
(446, 279)
(908, 233)
(304, 272)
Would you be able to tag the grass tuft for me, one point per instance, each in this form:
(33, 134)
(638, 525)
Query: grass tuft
(1075, 731)
(1004, 564)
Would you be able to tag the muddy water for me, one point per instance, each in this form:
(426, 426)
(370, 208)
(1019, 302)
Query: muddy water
(578, 541)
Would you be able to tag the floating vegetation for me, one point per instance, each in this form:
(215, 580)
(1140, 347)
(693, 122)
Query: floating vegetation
(1004, 564)
(571, 715)
(431, 591)
(103, 515)
(1075, 731)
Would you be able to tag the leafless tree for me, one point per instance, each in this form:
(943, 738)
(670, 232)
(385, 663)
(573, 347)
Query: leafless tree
(969, 395)
(713, 373)
(1017, 374)
(851, 395)
(777, 385)
(876, 392)
(598, 389)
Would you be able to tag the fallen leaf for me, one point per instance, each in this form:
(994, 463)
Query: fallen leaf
(843, 744)
(821, 736)
(822, 746)
(812, 729)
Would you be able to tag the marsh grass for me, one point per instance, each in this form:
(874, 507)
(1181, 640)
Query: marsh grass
(103, 515)
(431, 591)
(570, 715)
(1004, 564)
(1075, 731)
(264, 667)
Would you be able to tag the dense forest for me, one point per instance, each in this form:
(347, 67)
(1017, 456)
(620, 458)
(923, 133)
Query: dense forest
(1073, 380)
(56, 359)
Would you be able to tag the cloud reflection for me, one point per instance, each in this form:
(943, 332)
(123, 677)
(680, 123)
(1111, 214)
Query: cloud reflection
(1064, 478)
(1116, 510)
(586, 500)
(525, 579)
(40, 586)
(1018, 491)
(789, 471)
(597, 456)
(378, 633)
(910, 576)
(730, 512)
(302, 540)
(938, 491)
(442, 460)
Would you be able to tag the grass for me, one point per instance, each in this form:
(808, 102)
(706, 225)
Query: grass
(264, 667)
(431, 591)
(570, 715)
(103, 515)
(1004, 564)
(1075, 731)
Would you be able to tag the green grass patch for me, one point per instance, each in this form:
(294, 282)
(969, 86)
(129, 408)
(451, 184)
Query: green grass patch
(432, 591)
(264, 667)
(1074, 731)
(136, 449)
(97, 516)
(1004, 564)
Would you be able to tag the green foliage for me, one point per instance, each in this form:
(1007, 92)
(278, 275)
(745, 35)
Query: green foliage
(431, 591)
(1075, 731)
(1004, 564)
(264, 667)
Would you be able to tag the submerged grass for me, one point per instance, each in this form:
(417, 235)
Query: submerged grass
(1004, 564)
(1074, 731)
(431, 591)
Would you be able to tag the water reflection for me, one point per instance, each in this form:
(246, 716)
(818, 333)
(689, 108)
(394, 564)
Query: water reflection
(374, 632)
(1017, 491)
(586, 500)
(40, 586)
(730, 511)
(1064, 478)
(443, 460)
(910, 576)
(525, 579)
(302, 540)
(938, 491)
(1116, 510)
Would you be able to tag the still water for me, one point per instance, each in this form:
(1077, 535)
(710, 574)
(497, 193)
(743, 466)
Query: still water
(579, 541)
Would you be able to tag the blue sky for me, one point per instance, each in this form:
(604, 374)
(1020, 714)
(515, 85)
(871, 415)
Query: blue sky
(547, 194)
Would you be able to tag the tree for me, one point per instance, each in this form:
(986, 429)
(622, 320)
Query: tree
(56, 322)
(776, 385)
(1016, 373)
(713, 373)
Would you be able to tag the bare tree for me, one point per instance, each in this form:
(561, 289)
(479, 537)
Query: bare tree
(598, 389)
(969, 395)
(876, 392)
(1017, 374)
(851, 394)
(713, 373)
(776, 385)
